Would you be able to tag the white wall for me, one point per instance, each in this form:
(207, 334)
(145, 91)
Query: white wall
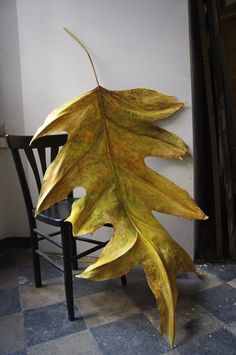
(12, 212)
(134, 43)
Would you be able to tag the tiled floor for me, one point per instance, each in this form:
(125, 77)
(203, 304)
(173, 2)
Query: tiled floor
(112, 319)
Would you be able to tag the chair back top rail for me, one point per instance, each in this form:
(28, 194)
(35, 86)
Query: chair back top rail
(19, 142)
(23, 142)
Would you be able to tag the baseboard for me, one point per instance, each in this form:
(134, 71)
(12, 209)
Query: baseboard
(15, 242)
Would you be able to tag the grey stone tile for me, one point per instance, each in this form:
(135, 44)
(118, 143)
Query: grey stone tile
(84, 287)
(23, 281)
(9, 301)
(25, 273)
(191, 320)
(220, 301)
(232, 283)
(137, 274)
(18, 352)
(132, 335)
(8, 277)
(104, 307)
(12, 333)
(189, 283)
(51, 292)
(81, 343)
(232, 327)
(48, 271)
(224, 271)
(51, 322)
(23, 256)
(140, 293)
(221, 342)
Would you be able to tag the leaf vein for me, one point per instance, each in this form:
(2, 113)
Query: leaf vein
(138, 134)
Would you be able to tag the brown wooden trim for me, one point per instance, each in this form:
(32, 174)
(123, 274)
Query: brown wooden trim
(213, 129)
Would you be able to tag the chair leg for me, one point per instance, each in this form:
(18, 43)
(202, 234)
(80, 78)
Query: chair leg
(74, 252)
(66, 248)
(123, 280)
(36, 260)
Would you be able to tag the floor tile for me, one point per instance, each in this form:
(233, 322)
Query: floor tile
(9, 301)
(232, 283)
(51, 322)
(189, 283)
(221, 342)
(8, 277)
(12, 333)
(137, 274)
(25, 272)
(225, 272)
(81, 343)
(140, 293)
(220, 301)
(51, 292)
(22, 351)
(105, 307)
(232, 327)
(134, 335)
(23, 256)
(124, 320)
(84, 287)
(190, 318)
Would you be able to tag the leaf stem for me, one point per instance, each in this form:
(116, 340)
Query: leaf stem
(86, 50)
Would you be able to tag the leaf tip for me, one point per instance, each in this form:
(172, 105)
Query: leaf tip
(32, 140)
(82, 275)
(36, 212)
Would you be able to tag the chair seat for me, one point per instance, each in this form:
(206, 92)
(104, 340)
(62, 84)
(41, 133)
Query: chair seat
(57, 214)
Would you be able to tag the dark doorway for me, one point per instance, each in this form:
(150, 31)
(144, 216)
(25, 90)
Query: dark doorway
(213, 53)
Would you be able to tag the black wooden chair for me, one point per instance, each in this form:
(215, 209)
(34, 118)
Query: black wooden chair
(54, 216)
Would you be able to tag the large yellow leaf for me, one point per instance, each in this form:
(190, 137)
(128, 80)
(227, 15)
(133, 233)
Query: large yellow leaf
(109, 135)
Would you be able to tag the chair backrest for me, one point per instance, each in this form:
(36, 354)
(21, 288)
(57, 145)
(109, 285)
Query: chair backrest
(17, 143)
